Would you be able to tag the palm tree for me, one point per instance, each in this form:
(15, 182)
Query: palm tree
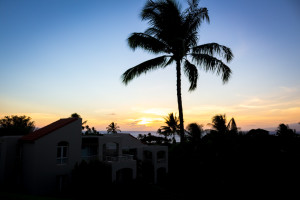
(172, 127)
(113, 128)
(231, 127)
(173, 34)
(219, 125)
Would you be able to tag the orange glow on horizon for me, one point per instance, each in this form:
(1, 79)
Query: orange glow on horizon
(153, 119)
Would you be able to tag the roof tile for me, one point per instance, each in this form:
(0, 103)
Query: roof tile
(47, 129)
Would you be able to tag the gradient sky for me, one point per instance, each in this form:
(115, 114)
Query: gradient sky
(58, 57)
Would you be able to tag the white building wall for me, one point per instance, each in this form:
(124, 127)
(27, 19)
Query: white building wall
(38, 158)
(40, 170)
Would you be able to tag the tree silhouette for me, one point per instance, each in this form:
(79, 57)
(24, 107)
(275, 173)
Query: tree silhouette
(113, 128)
(76, 115)
(174, 33)
(91, 131)
(16, 125)
(219, 125)
(194, 132)
(231, 127)
(285, 131)
(258, 132)
(172, 127)
(152, 139)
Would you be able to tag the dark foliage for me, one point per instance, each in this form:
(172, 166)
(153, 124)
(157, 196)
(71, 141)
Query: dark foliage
(283, 130)
(16, 125)
(226, 165)
(113, 128)
(89, 177)
(258, 132)
(152, 139)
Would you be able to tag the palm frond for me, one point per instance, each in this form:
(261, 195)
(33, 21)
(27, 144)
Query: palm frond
(191, 72)
(149, 10)
(153, 11)
(194, 16)
(192, 19)
(165, 130)
(170, 61)
(210, 63)
(172, 127)
(219, 123)
(164, 18)
(214, 48)
(147, 42)
(144, 67)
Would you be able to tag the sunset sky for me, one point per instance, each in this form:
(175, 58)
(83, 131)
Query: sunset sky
(58, 57)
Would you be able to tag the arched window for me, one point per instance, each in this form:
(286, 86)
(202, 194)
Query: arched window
(62, 153)
(161, 156)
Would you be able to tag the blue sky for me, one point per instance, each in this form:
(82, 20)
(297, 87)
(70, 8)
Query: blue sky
(58, 57)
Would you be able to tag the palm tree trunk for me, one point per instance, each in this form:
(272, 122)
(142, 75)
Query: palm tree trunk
(178, 71)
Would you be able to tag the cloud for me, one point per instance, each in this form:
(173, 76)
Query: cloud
(111, 114)
(288, 89)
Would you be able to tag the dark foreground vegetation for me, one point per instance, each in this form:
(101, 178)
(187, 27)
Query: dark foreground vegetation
(241, 163)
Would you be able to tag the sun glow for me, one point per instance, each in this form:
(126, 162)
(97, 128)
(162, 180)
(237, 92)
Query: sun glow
(145, 121)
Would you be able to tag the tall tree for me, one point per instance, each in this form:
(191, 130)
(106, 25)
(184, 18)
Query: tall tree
(173, 34)
(16, 125)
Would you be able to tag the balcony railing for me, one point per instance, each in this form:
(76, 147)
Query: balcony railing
(124, 157)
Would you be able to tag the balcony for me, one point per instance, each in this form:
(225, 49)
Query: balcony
(124, 157)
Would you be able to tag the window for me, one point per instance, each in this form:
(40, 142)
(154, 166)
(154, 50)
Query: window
(89, 147)
(62, 153)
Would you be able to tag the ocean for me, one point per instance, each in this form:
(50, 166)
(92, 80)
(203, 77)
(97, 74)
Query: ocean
(136, 133)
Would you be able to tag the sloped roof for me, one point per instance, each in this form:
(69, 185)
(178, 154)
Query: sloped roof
(47, 129)
(130, 141)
